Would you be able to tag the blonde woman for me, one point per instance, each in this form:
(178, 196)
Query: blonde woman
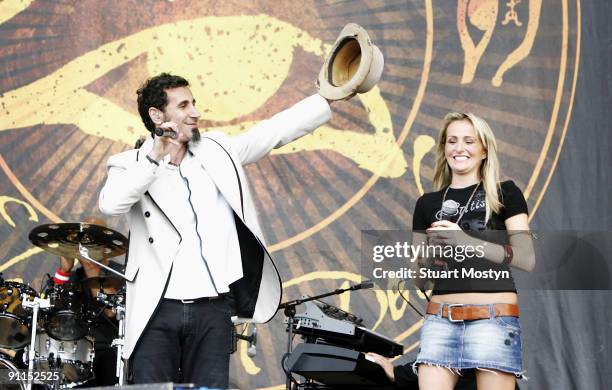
(471, 322)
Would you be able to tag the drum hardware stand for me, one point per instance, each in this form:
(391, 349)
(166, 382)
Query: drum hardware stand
(289, 311)
(36, 304)
(84, 252)
(118, 307)
(119, 342)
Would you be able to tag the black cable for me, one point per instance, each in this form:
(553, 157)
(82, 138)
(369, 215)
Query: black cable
(399, 290)
(43, 284)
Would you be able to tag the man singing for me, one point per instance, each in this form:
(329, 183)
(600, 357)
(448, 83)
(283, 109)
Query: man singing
(197, 254)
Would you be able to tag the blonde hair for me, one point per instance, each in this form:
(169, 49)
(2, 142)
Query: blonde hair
(489, 169)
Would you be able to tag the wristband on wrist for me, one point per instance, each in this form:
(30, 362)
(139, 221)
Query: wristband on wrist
(508, 255)
(61, 277)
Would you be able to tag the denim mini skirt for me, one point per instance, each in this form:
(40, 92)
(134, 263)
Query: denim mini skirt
(490, 344)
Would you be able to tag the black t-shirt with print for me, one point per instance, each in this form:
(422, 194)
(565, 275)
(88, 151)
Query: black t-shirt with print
(427, 211)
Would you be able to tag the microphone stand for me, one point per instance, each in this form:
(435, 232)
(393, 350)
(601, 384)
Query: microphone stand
(289, 311)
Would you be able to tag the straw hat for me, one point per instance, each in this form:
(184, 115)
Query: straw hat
(354, 65)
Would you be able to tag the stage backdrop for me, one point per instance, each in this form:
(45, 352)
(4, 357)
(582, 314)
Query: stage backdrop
(69, 71)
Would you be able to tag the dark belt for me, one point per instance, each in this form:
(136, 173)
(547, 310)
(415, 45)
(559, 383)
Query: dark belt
(195, 300)
(461, 312)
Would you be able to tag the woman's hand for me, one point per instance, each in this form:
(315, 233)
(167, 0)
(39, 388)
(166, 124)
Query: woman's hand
(443, 225)
(384, 363)
(445, 233)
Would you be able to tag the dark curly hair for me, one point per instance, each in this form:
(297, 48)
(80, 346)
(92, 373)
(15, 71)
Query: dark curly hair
(153, 94)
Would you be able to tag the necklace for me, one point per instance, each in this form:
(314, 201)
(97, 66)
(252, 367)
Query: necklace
(464, 209)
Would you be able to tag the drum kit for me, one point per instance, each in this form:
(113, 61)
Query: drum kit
(53, 330)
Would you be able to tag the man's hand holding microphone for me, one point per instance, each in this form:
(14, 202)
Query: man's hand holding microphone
(165, 141)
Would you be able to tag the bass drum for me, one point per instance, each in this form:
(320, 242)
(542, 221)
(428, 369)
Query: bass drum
(73, 358)
(14, 318)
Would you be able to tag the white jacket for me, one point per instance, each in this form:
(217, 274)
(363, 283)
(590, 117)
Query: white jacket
(131, 190)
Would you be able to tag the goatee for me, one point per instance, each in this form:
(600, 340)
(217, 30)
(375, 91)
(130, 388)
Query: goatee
(195, 136)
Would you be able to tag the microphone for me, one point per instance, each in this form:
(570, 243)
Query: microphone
(164, 133)
(363, 285)
(447, 212)
(449, 209)
(252, 350)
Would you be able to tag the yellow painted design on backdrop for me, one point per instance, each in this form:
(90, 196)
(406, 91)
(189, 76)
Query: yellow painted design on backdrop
(345, 299)
(521, 52)
(249, 365)
(481, 14)
(393, 297)
(10, 8)
(511, 14)
(6, 199)
(422, 145)
(20, 257)
(235, 65)
(32, 217)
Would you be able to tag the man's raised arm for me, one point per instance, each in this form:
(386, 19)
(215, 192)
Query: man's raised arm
(284, 127)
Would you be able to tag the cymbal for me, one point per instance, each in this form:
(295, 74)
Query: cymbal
(63, 239)
(104, 282)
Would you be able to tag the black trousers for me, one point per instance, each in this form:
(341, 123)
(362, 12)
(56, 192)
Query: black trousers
(186, 343)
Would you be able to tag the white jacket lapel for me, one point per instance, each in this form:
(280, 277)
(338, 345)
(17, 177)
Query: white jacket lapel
(162, 194)
(223, 171)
